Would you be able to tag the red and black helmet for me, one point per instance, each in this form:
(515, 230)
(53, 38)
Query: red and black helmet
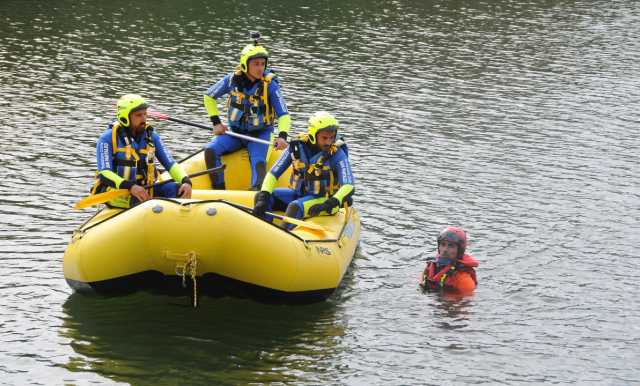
(454, 235)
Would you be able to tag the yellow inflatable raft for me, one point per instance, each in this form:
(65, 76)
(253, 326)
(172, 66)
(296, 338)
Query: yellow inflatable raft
(211, 244)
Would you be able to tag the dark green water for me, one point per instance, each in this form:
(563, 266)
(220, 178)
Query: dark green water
(517, 120)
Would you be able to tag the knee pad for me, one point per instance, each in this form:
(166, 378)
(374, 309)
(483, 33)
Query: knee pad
(293, 210)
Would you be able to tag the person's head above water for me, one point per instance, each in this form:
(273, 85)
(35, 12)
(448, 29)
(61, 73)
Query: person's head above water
(452, 243)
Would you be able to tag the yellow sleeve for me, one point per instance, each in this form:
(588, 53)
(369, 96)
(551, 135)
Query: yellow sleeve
(343, 192)
(269, 183)
(211, 106)
(177, 173)
(284, 123)
(111, 176)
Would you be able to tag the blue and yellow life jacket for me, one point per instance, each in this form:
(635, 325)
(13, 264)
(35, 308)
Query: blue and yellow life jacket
(312, 175)
(249, 110)
(129, 163)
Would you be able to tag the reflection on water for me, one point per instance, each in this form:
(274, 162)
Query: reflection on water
(450, 310)
(455, 310)
(223, 342)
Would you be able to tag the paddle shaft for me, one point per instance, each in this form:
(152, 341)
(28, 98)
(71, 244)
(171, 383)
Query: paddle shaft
(100, 198)
(193, 175)
(290, 220)
(229, 132)
(298, 222)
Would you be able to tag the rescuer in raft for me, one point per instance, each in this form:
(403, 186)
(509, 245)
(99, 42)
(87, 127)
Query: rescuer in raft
(452, 268)
(321, 181)
(255, 102)
(126, 154)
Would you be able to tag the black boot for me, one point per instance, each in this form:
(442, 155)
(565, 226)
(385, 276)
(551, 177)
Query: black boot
(210, 161)
(261, 172)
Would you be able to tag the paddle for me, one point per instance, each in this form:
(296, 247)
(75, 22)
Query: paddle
(160, 116)
(290, 220)
(298, 222)
(100, 198)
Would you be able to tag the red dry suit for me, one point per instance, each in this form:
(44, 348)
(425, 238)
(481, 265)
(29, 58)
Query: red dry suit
(459, 276)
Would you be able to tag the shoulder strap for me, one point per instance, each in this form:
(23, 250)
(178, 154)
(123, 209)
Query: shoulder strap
(295, 148)
(149, 134)
(150, 167)
(114, 137)
(269, 77)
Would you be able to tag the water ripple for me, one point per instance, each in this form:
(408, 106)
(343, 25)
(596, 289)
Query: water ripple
(516, 120)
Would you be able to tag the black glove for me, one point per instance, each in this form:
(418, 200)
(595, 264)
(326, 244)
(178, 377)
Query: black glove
(326, 206)
(261, 203)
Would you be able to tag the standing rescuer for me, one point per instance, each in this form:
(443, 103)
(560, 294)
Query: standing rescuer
(126, 154)
(452, 268)
(255, 102)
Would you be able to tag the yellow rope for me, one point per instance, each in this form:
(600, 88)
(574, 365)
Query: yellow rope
(189, 268)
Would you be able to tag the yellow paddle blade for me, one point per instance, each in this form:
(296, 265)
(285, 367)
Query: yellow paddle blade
(100, 198)
(300, 223)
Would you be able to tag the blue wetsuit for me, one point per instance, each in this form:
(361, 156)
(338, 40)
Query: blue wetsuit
(248, 113)
(333, 179)
(121, 169)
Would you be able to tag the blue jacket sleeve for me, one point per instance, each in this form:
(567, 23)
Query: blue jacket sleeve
(276, 99)
(341, 166)
(161, 152)
(220, 88)
(281, 164)
(104, 152)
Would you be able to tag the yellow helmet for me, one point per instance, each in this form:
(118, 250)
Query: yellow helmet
(321, 121)
(127, 104)
(252, 51)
